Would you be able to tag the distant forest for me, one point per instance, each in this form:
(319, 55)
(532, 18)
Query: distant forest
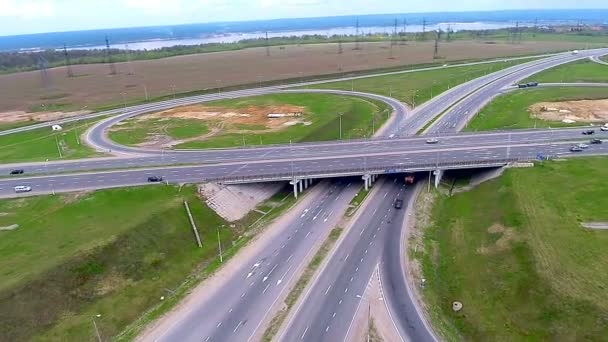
(12, 62)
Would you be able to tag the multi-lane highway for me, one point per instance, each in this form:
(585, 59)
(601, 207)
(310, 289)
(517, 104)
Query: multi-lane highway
(374, 146)
(235, 309)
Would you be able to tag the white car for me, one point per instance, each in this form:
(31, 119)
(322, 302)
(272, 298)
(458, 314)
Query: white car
(604, 128)
(582, 146)
(432, 141)
(22, 188)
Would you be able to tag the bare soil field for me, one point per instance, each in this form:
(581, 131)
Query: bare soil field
(249, 115)
(580, 111)
(23, 116)
(93, 86)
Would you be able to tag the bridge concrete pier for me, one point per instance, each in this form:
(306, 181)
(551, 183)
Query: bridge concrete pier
(368, 180)
(438, 175)
(295, 183)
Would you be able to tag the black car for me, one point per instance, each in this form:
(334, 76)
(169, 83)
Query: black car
(155, 179)
(532, 84)
(522, 85)
(595, 141)
(17, 172)
(588, 132)
(398, 204)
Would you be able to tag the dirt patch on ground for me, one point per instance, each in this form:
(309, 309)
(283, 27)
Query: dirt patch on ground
(503, 243)
(284, 115)
(74, 196)
(579, 111)
(21, 116)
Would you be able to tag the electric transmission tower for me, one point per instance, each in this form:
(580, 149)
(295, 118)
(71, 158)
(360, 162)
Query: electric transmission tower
(357, 47)
(437, 38)
(43, 66)
(68, 65)
(109, 58)
(404, 38)
(423, 29)
(267, 46)
(394, 35)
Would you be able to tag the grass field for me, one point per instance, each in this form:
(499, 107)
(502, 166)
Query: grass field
(510, 111)
(604, 58)
(418, 87)
(580, 71)
(111, 252)
(94, 87)
(321, 110)
(41, 144)
(513, 251)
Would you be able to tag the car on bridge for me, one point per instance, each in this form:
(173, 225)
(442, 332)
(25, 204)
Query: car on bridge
(155, 179)
(17, 172)
(398, 204)
(432, 141)
(604, 128)
(595, 141)
(583, 146)
(22, 188)
(576, 149)
(589, 132)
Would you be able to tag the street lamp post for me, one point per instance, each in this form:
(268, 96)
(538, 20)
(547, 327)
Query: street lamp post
(340, 126)
(219, 244)
(96, 329)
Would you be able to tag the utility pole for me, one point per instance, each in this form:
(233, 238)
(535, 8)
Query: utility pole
(68, 65)
(404, 38)
(109, 58)
(340, 50)
(535, 27)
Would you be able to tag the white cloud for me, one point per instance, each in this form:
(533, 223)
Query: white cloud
(27, 9)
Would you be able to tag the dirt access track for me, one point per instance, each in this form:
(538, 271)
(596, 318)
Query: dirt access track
(593, 111)
(93, 86)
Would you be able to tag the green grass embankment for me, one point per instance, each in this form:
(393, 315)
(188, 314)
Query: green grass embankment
(514, 252)
(511, 111)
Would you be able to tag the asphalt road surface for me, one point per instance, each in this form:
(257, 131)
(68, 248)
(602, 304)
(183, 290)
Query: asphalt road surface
(328, 308)
(234, 312)
(312, 150)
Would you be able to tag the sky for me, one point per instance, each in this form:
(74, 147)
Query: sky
(35, 16)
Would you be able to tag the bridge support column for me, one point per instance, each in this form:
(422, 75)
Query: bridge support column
(367, 181)
(438, 175)
(306, 181)
(301, 185)
(295, 183)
